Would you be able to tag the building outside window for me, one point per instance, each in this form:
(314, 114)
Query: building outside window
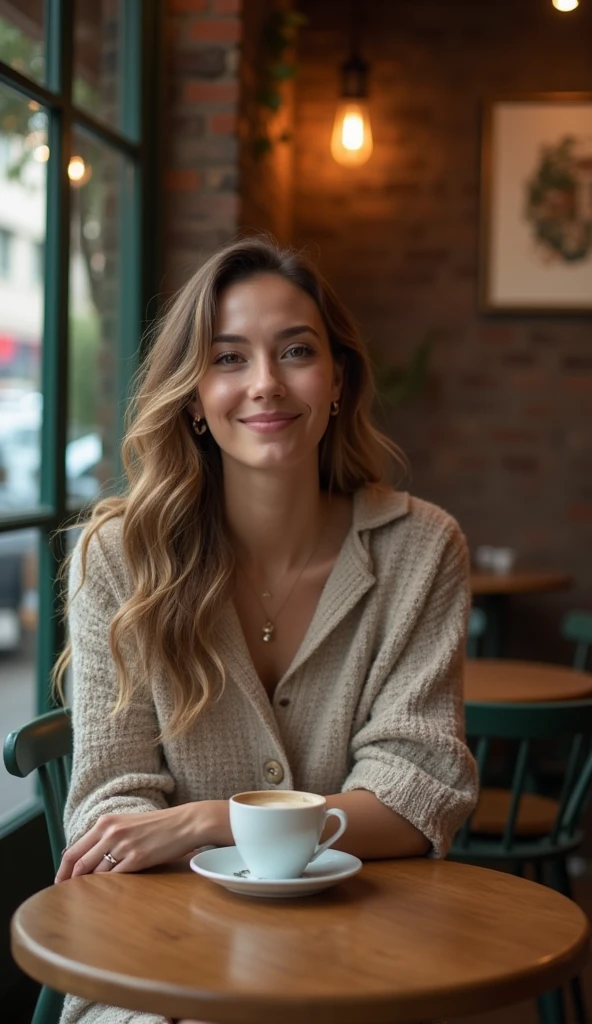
(76, 174)
(5, 252)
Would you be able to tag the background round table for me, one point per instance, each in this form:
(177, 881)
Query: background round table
(494, 590)
(402, 941)
(518, 581)
(498, 679)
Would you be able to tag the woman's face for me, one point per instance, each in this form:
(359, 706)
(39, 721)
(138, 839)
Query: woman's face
(266, 395)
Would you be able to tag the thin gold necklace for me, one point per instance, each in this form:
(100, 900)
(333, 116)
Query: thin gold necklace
(268, 628)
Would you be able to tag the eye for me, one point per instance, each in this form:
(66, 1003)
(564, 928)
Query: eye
(228, 359)
(299, 352)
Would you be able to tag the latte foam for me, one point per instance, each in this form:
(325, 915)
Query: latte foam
(287, 800)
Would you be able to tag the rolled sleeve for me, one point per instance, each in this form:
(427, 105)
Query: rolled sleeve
(410, 750)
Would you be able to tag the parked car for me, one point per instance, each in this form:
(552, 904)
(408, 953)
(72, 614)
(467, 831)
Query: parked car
(18, 550)
(20, 462)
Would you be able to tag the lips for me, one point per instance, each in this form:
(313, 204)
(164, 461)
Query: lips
(270, 417)
(269, 422)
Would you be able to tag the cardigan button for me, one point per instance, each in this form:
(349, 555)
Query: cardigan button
(273, 772)
(283, 703)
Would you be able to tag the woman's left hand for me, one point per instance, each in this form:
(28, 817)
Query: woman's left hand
(142, 840)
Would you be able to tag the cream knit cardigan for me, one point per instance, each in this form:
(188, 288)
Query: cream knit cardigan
(372, 700)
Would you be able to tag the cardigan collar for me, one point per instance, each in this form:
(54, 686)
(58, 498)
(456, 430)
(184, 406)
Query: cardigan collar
(375, 506)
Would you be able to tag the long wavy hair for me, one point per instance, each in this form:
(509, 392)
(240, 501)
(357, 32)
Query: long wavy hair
(174, 538)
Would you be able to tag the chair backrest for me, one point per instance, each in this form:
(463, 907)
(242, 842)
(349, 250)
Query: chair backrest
(520, 725)
(577, 626)
(477, 627)
(45, 745)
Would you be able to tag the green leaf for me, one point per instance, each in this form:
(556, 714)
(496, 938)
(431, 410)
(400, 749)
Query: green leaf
(296, 19)
(270, 98)
(281, 72)
(399, 384)
(262, 145)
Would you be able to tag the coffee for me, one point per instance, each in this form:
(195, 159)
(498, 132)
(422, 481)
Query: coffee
(287, 799)
(277, 833)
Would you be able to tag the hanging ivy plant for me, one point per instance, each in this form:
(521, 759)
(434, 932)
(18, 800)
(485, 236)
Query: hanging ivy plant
(396, 385)
(279, 41)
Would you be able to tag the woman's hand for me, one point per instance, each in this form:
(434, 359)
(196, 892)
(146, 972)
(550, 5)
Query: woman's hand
(141, 840)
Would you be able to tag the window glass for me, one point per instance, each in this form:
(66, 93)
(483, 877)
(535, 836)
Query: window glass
(23, 166)
(22, 37)
(18, 634)
(97, 83)
(95, 318)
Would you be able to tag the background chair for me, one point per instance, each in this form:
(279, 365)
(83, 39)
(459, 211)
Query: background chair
(45, 745)
(517, 828)
(476, 631)
(577, 626)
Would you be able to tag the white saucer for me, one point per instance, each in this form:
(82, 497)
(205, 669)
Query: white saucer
(224, 865)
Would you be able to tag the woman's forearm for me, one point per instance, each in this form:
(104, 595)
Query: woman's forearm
(373, 830)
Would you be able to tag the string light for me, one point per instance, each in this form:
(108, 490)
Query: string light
(78, 172)
(351, 141)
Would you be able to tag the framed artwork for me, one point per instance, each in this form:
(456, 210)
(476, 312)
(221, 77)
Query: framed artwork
(536, 204)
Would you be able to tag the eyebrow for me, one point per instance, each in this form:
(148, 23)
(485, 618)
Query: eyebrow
(287, 332)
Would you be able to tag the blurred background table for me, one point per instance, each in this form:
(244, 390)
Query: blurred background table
(502, 680)
(494, 590)
(404, 940)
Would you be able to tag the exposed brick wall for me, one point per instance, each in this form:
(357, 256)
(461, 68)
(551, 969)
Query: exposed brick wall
(502, 434)
(201, 117)
(215, 188)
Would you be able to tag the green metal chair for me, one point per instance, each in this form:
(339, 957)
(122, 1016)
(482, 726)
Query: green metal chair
(577, 626)
(515, 827)
(476, 631)
(45, 746)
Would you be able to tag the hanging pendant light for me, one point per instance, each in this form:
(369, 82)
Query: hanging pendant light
(566, 5)
(351, 141)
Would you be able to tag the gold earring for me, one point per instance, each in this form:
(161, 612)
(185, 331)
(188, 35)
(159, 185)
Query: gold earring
(199, 426)
(334, 408)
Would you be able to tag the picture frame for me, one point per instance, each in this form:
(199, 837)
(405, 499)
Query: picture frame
(536, 204)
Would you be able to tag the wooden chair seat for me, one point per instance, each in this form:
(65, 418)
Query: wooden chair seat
(536, 814)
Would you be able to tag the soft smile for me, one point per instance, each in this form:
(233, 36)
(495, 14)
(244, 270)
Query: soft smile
(269, 422)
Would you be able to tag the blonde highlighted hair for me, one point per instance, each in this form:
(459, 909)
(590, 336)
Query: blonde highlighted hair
(173, 532)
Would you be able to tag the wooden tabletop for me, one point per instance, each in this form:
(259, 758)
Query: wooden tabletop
(402, 940)
(498, 679)
(518, 581)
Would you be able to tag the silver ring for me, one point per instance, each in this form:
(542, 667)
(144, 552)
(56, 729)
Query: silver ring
(110, 858)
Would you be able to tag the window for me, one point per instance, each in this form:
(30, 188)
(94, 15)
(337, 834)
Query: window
(5, 252)
(73, 294)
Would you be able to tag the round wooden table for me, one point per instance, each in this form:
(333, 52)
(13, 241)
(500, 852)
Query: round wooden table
(402, 941)
(494, 591)
(518, 581)
(501, 680)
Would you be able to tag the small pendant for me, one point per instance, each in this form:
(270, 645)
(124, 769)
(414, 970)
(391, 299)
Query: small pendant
(267, 632)
(266, 594)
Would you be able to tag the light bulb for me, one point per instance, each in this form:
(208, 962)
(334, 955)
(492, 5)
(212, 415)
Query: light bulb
(41, 153)
(351, 142)
(566, 5)
(78, 172)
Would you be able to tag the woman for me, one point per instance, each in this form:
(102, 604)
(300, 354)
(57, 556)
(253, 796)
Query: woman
(261, 610)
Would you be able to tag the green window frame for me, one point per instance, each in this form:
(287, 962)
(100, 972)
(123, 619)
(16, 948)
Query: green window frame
(138, 141)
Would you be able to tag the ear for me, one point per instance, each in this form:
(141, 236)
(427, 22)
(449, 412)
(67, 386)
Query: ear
(194, 407)
(337, 380)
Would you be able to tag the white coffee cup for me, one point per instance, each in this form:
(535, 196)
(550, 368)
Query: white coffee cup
(277, 833)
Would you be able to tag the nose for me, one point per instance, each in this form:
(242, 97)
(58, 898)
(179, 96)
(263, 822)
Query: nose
(266, 379)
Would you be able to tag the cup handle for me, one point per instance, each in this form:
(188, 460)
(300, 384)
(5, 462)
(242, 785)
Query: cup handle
(329, 842)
